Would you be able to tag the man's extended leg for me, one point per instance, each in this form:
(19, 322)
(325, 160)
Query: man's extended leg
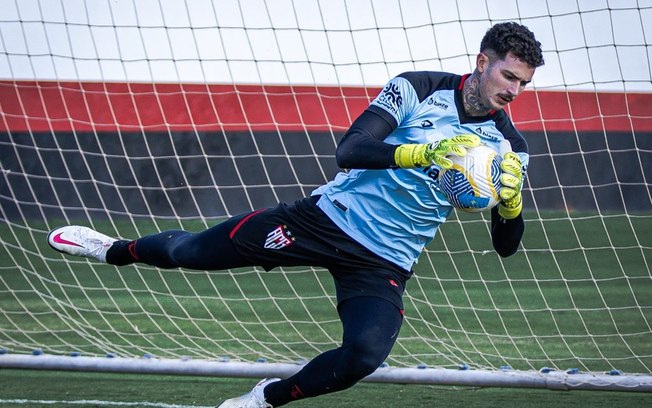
(371, 326)
(211, 249)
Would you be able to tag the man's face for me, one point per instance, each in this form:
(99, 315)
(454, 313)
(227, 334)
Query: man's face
(501, 81)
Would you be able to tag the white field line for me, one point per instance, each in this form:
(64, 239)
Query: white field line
(99, 403)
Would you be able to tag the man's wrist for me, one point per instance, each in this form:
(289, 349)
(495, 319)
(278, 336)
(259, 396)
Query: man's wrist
(510, 212)
(408, 156)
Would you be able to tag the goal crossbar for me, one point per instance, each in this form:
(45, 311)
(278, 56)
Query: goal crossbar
(546, 379)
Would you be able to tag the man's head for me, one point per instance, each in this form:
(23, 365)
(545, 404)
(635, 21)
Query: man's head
(509, 55)
(510, 37)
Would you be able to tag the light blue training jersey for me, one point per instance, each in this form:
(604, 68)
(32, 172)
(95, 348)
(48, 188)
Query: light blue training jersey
(395, 213)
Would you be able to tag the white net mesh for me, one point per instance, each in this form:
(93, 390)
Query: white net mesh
(134, 117)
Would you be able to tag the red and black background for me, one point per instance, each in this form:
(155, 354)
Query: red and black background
(188, 150)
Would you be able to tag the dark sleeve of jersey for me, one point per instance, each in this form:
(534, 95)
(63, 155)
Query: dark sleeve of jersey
(506, 127)
(363, 146)
(506, 235)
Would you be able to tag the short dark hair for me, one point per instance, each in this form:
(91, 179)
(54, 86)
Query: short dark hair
(512, 37)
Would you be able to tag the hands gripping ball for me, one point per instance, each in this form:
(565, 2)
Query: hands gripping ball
(472, 183)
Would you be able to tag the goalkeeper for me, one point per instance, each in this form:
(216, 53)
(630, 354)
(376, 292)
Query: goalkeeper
(368, 226)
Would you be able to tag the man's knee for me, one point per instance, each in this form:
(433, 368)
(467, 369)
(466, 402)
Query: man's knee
(186, 251)
(359, 359)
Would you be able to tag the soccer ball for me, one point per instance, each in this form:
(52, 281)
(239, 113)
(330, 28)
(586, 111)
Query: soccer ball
(473, 183)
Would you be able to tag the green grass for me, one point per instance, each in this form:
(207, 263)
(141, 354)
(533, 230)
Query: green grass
(61, 389)
(578, 295)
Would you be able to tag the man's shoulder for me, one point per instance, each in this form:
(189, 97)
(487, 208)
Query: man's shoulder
(425, 83)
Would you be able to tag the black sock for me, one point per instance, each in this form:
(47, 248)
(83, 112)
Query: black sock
(119, 253)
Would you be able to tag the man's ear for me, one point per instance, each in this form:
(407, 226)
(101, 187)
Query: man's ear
(482, 62)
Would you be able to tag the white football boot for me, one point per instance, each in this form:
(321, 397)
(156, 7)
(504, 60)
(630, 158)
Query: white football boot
(253, 399)
(80, 241)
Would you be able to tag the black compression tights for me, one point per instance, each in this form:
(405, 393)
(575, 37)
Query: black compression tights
(211, 249)
(371, 326)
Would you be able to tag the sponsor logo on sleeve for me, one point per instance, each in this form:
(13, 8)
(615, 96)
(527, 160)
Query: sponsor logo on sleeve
(390, 98)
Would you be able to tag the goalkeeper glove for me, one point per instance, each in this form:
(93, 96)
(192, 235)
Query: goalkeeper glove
(511, 201)
(425, 154)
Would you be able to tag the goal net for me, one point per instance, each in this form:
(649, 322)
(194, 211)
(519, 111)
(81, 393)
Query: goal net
(133, 117)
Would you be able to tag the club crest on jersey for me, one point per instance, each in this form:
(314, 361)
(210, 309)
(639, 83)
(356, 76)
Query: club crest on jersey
(279, 237)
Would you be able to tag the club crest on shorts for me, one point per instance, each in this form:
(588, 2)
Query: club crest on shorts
(279, 237)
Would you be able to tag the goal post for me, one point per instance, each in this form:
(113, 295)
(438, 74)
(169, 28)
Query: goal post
(136, 117)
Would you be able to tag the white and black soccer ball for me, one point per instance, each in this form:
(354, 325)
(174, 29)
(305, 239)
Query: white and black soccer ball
(473, 183)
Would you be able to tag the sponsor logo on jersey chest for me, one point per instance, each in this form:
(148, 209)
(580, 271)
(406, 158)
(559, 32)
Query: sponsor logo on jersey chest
(437, 104)
(482, 132)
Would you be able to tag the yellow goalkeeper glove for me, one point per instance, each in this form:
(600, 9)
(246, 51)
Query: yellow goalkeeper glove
(511, 201)
(426, 154)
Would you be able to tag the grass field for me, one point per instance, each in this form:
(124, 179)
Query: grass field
(579, 295)
(41, 389)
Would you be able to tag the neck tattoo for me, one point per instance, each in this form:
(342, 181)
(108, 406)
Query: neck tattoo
(471, 96)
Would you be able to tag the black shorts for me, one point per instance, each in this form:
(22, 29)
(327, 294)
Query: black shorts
(301, 234)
